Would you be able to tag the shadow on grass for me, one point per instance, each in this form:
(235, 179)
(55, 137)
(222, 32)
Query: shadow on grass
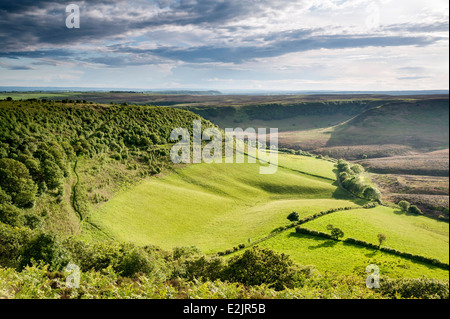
(322, 242)
(401, 212)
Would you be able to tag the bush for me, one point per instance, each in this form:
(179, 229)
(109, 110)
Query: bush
(371, 193)
(258, 266)
(12, 242)
(413, 209)
(371, 205)
(423, 288)
(294, 216)
(404, 205)
(207, 268)
(16, 181)
(134, 262)
(46, 248)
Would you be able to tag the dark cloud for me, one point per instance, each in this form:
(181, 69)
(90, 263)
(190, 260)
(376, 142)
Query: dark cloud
(25, 34)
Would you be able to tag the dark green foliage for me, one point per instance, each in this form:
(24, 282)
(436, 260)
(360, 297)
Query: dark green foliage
(11, 215)
(135, 261)
(4, 197)
(126, 259)
(349, 175)
(185, 252)
(381, 239)
(39, 141)
(404, 205)
(46, 248)
(53, 176)
(371, 205)
(12, 242)
(294, 216)
(207, 268)
(16, 181)
(415, 288)
(258, 266)
(413, 209)
(336, 233)
(371, 193)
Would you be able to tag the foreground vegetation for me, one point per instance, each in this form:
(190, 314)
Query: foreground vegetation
(90, 185)
(124, 272)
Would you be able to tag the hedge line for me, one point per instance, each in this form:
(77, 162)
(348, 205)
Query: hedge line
(432, 261)
(283, 228)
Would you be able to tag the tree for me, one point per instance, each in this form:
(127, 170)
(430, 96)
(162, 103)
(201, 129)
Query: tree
(257, 266)
(371, 193)
(381, 239)
(337, 233)
(52, 174)
(343, 166)
(293, 217)
(413, 209)
(357, 169)
(404, 205)
(46, 248)
(16, 181)
(4, 197)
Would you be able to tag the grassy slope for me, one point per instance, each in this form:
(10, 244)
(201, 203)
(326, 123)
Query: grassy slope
(405, 232)
(329, 255)
(218, 206)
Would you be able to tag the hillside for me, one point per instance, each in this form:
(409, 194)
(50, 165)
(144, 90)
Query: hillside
(217, 206)
(41, 143)
(422, 125)
(93, 184)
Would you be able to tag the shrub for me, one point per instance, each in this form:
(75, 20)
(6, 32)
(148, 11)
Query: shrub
(371, 193)
(12, 242)
(259, 266)
(16, 181)
(207, 268)
(371, 205)
(404, 205)
(424, 288)
(413, 209)
(46, 248)
(294, 216)
(134, 262)
(337, 233)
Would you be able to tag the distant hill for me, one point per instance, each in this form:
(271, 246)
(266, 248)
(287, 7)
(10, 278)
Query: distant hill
(421, 124)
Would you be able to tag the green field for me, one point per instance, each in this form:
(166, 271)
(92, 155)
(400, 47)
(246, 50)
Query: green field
(344, 258)
(217, 206)
(405, 232)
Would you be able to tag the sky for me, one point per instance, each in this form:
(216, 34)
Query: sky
(350, 45)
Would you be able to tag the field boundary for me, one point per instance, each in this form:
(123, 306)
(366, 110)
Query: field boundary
(356, 242)
(352, 241)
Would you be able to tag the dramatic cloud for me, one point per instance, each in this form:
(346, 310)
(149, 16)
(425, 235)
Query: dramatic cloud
(221, 37)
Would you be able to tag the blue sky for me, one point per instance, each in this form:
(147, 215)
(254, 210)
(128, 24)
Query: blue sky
(227, 44)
